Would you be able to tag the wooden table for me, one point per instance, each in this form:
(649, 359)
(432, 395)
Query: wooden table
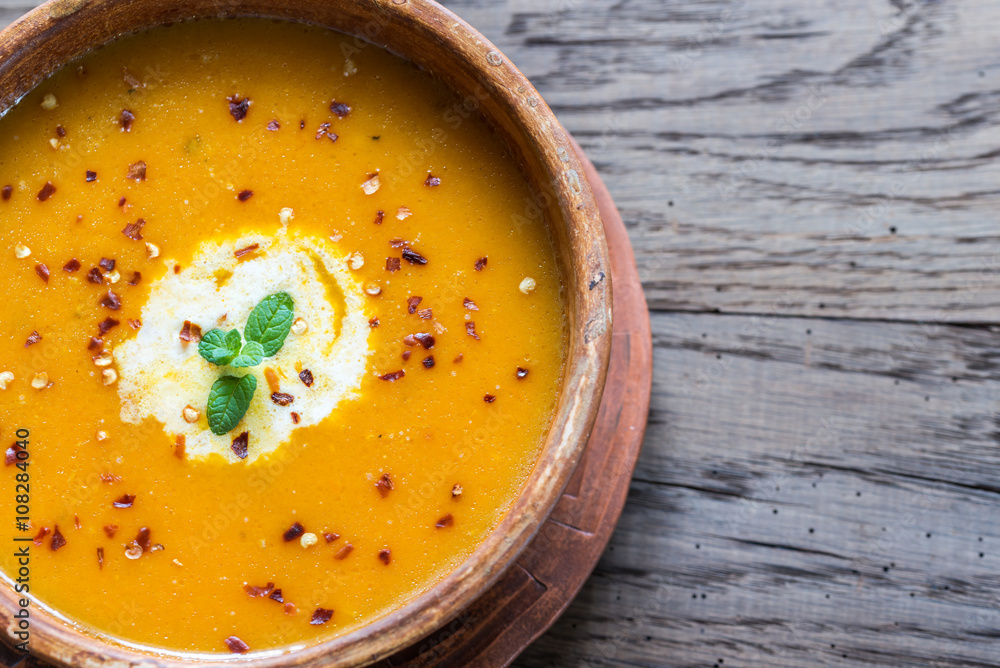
(810, 189)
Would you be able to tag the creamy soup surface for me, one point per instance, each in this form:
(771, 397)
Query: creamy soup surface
(218, 204)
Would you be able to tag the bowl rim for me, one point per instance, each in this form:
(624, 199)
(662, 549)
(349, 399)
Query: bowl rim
(587, 274)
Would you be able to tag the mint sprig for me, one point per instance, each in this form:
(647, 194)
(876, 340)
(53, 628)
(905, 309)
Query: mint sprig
(265, 332)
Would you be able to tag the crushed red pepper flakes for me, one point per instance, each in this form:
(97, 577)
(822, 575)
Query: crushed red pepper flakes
(111, 301)
(407, 354)
(290, 609)
(393, 376)
(321, 616)
(392, 264)
(413, 257)
(445, 521)
(110, 478)
(142, 539)
(273, 125)
(60, 131)
(429, 362)
(470, 329)
(95, 343)
(100, 558)
(135, 323)
(254, 591)
(344, 552)
(42, 271)
(190, 332)
(33, 338)
(240, 445)
(282, 399)
(91, 176)
(177, 269)
(385, 556)
(137, 171)
(397, 243)
(412, 303)
(246, 250)
(107, 264)
(294, 532)
(340, 109)
(432, 181)
(136, 278)
(481, 263)
(456, 491)
(244, 195)
(236, 646)
(180, 446)
(425, 314)
(295, 417)
(306, 377)
(458, 359)
(134, 230)
(126, 120)
(95, 276)
(373, 322)
(46, 192)
(329, 536)
(121, 202)
(489, 398)
(107, 325)
(384, 485)
(40, 536)
(125, 501)
(10, 457)
(426, 340)
(58, 540)
(72, 265)
(7, 192)
(276, 596)
(238, 107)
(110, 530)
(379, 217)
(469, 304)
(324, 131)
(521, 373)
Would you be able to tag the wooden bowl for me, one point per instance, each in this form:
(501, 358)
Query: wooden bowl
(434, 38)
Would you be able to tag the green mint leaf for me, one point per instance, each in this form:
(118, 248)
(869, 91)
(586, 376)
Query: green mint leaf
(228, 402)
(270, 322)
(251, 355)
(218, 347)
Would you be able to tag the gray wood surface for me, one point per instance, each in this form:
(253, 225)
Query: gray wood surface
(811, 189)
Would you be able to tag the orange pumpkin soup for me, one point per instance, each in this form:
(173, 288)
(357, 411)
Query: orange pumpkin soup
(281, 343)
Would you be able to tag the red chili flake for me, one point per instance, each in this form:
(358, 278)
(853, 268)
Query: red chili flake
(521, 373)
(190, 332)
(244, 195)
(470, 329)
(330, 537)
(458, 359)
(7, 192)
(306, 376)
(407, 354)
(302, 124)
(57, 539)
(294, 532)
(238, 107)
(95, 276)
(142, 539)
(432, 181)
(107, 325)
(481, 264)
(246, 250)
(324, 131)
(134, 230)
(136, 171)
(42, 271)
(412, 303)
(40, 536)
(125, 501)
(469, 304)
(259, 592)
(290, 609)
(489, 398)
(426, 340)
(373, 322)
(72, 265)
(95, 343)
(91, 176)
(340, 109)
(295, 417)
(425, 314)
(384, 485)
(343, 552)
(177, 269)
(321, 616)
(46, 192)
(110, 530)
(235, 645)
(33, 338)
(385, 556)
(240, 445)
(11, 455)
(180, 446)
(429, 362)
(121, 202)
(397, 243)
(379, 217)
(60, 131)
(273, 125)
(392, 264)
(445, 521)
(106, 264)
(136, 277)
(100, 558)
(276, 596)
(111, 301)
(126, 119)
(412, 256)
(135, 323)
(110, 478)
(282, 399)
(393, 376)
(456, 491)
